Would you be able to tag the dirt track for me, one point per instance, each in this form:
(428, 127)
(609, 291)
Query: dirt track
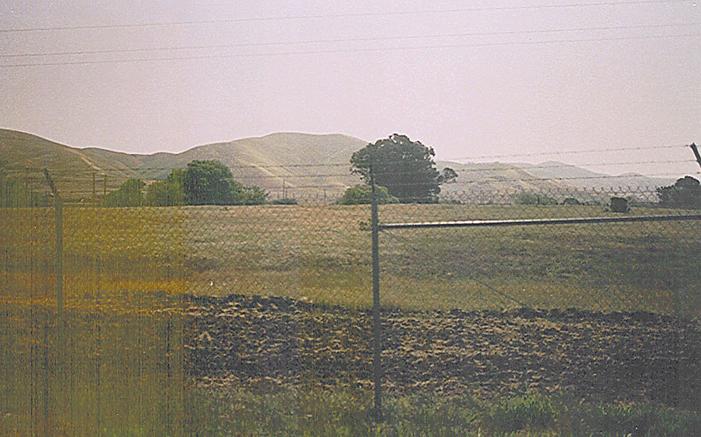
(630, 356)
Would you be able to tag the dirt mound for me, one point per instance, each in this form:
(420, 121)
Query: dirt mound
(627, 356)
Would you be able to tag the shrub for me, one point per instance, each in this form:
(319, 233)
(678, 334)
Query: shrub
(685, 193)
(168, 192)
(571, 201)
(250, 196)
(362, 194)
(533, 199)
(619, 204)
(129, 194)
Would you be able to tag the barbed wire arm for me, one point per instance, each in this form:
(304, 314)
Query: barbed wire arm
(695, 149)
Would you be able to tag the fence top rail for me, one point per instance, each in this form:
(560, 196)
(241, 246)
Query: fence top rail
(546, 221)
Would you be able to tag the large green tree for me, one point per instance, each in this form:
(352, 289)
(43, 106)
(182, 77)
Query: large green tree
(211, 183)
(208, 183)
(404, 166)
(685, 193)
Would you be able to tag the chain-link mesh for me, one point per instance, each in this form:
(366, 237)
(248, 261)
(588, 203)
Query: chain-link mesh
(163, 304)
(504, 304)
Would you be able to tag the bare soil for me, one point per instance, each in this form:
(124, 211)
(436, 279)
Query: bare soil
(244, 340)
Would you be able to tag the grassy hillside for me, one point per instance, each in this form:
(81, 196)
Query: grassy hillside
(492, 178)
(305, 164)
(588, 179)
(267, 161)
(24, 155)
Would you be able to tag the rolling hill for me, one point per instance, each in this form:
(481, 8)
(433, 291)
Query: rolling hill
(494, 178)
(587, 179)
(304, 164)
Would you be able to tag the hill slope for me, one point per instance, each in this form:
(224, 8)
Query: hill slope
(493, 179)
(304, 164)
(587, 179)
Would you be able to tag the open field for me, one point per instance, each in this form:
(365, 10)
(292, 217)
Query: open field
(165, 327)
(322, 253)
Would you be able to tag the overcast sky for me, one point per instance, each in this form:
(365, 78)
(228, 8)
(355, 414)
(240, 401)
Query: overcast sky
(481, 96)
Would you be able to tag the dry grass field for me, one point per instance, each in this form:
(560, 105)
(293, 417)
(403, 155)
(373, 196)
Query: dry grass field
(322, 253)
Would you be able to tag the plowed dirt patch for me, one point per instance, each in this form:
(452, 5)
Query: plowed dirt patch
(240, 340)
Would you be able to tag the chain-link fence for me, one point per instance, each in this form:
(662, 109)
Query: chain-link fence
(125, 320)
(550, 292)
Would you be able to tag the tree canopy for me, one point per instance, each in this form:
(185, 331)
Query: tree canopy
(211, 183)
(201, 183)
(405, 167)
(208, 183)
(685, 193)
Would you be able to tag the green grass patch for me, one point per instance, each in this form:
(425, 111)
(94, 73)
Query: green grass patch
(322, 412)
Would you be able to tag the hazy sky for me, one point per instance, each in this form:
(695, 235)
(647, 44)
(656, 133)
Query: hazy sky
(465, 101)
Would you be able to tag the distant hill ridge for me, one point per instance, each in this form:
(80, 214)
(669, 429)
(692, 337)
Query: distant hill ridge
(304, 164)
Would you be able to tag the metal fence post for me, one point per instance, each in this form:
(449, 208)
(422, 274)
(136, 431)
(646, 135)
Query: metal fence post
(697, 155)
(376, 320)
(58, 208)
(59, 255)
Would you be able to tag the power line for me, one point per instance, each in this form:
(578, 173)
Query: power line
(360, 50)
(339, 15)
(570, 152)
(342, 40)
